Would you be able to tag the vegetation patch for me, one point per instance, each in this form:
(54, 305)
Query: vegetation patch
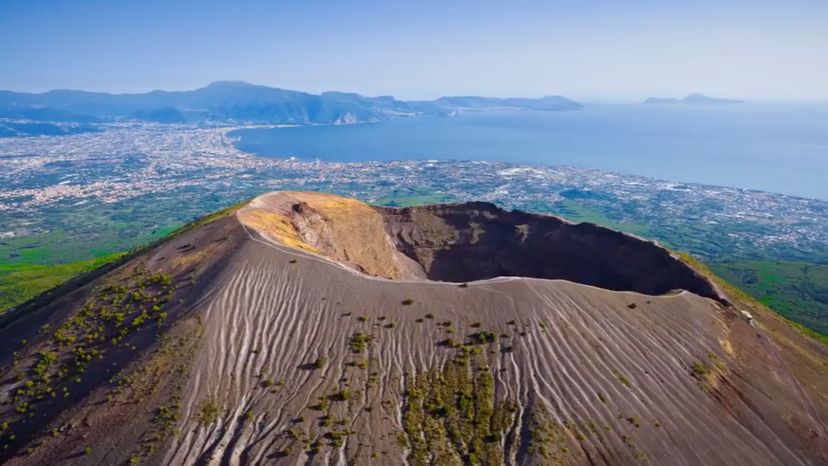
(358, 342)
(171, 359)
(106, 321)
(451, 416)
(708, 375)
(482, 338)
(796, 290)
(559, 442)
(342, 395)
(699, 370)
(637, 453)
(20, 282)
(208, 412)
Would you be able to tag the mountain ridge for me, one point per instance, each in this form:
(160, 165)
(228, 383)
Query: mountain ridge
(236, 101)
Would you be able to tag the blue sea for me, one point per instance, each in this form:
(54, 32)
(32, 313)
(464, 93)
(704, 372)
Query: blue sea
(772, 147)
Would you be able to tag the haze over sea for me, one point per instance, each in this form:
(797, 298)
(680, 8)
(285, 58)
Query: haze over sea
(765, 146)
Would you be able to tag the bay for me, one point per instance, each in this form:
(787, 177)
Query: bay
(773, 147)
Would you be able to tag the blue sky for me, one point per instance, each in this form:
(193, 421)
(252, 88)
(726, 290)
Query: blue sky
(585, 49)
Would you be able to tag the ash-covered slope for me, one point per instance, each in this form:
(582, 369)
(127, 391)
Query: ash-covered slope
(307, 329)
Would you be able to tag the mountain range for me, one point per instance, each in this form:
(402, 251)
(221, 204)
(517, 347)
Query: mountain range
(239, 102)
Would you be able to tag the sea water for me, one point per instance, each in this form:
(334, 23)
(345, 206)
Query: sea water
(766, 146)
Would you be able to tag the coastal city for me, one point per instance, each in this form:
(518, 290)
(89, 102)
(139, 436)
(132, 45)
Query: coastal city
(175, 174)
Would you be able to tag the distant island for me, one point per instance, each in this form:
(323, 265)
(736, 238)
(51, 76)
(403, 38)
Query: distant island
(233, 102)
(692, 99)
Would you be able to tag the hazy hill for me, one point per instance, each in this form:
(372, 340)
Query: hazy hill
(304, 328)
(44, 114)
(692, 99)
(549, 103)
(169, 115)
(243, 102)
(38, 128)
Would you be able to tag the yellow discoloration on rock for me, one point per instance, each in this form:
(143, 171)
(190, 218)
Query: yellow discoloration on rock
(275, 226)
(727, 347)
(343, 229)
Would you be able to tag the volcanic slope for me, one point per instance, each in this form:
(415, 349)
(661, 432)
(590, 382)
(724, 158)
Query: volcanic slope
(304, 328)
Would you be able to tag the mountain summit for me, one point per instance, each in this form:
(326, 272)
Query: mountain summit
(316, 329)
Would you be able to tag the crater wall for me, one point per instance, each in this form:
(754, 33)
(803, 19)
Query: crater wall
(475, 241)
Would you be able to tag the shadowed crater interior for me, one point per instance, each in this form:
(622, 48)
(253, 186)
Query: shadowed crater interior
(478, 240)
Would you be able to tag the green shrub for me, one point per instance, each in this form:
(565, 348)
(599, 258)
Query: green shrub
(343, 395)
(699, 369)
(358, 342)
(480, 338)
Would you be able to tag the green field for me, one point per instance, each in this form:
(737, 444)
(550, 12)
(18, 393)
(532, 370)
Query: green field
(407, 200)
(33, 264)
(577, 212)
(796, 290)
(20, 282)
